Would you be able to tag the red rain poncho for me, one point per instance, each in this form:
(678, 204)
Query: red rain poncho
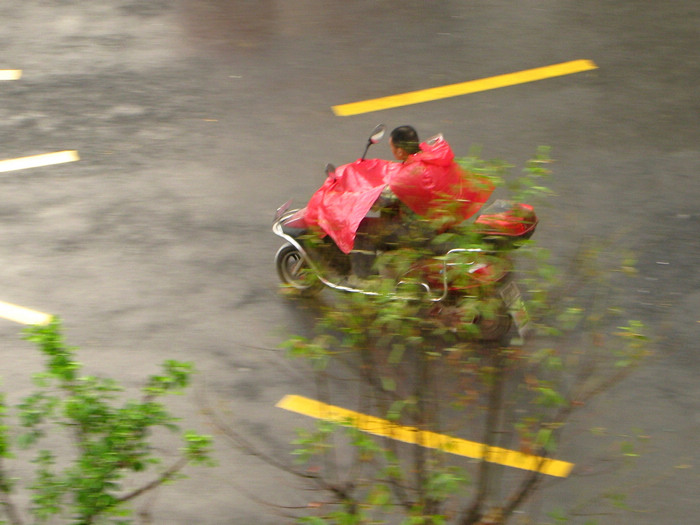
(342, 202)
(432, 184)
(425, 182)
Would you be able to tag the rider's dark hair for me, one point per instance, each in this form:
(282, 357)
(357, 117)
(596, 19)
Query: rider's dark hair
(406, 138)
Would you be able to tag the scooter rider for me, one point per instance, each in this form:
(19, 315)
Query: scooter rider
(425, 192)
(428, 193)
(389, 222)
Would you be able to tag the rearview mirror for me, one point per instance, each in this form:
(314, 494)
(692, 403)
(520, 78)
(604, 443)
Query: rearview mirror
(377, 134)
(375, 137)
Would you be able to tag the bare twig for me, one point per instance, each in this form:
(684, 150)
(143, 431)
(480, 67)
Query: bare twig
(168, 474)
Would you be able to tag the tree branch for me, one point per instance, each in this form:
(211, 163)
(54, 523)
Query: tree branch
(165, 476)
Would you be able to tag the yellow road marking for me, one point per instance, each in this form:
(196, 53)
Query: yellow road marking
(461, 447)
(10, 74)
(463, 88)
(35, 161)
(22, 315)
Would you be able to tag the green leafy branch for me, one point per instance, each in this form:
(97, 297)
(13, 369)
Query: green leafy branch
(111, 438)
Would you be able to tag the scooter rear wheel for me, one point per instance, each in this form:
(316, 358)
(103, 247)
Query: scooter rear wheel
(493, 329)
(295, 272)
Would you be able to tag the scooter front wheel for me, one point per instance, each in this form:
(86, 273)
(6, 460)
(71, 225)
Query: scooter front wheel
(294, 271)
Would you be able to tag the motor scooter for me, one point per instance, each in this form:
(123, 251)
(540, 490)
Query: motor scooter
(448, 276)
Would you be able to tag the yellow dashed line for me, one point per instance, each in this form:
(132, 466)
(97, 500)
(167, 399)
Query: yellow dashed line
(35, 161)
(22, 315)
(12, 312)
(10, 74)
(464, 88)
(461, 447)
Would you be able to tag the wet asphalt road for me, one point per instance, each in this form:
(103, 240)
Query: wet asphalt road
(194, 120)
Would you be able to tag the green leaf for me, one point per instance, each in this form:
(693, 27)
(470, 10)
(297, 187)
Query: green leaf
(388, 384)
(312, 520)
